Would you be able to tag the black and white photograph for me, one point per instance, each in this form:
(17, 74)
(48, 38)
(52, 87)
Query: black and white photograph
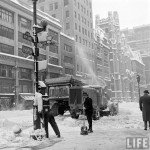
(74, 74)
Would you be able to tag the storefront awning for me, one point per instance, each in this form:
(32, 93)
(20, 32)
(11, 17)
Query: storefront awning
(28, 97)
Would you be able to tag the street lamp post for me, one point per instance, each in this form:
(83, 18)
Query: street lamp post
(36, 116)
(36, 29)
(138, 81)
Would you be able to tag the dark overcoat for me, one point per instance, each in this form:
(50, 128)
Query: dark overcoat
(88, 106)
(145, 107)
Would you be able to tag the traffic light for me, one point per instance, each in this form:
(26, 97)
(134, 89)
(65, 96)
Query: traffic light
(41, 27)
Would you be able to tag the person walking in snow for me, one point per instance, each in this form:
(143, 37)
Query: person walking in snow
(144, 103)
(51, 119)
(88, 110)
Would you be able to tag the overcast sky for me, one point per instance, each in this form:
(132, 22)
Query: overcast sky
(131, 12)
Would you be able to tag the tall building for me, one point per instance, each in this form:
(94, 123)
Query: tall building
(139, 40)
(102, 50)
(111, 27)
(76, 19)
(16, 66)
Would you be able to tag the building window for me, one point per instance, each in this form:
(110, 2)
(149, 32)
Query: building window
(79, 28)
(78, 5)
(68, 71)
(53, 60)
(75, 2)
(79, 17)
(67, 13)
(42, 8)
(6, 15)
(76, 26)
(53, 48)
(67, 48)
(6, 49)
(56, 5)
(76, 38)
(80, 40)
(68, 60)
(67, 25)
(3, 71)
(77, 67)
(50, 7)
(82, 30)
(6, 32)
(66, 2)
(54, 15)
(25, 73)
(75, 14)
(24, 22)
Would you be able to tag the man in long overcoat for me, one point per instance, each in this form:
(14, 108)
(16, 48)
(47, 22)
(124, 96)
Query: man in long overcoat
(145, 108)
(88, 110)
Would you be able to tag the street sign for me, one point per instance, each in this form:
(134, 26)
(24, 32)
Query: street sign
(27, 36)
(27, 50)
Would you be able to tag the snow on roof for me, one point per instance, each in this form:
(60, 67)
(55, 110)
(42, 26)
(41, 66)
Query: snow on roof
(72, 38)
(137, 57)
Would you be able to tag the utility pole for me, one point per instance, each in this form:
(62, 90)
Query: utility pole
(36, 29)
(36, 116)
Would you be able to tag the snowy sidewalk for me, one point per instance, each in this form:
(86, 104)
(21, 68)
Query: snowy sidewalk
(100, 139)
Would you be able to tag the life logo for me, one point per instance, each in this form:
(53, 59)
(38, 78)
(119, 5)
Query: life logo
(137, 143)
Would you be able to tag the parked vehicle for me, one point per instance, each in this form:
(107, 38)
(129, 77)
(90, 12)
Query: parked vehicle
(65, 93)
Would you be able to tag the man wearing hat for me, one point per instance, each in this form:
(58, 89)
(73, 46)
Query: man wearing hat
(88, 110)
(145, 108)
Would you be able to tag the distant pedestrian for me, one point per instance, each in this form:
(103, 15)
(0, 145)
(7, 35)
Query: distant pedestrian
(145, 108)
(88, 110)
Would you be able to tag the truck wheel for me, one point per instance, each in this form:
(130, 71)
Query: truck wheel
(54, 109)
(61, 110)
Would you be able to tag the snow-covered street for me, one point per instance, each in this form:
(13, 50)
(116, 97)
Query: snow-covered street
(110, 132)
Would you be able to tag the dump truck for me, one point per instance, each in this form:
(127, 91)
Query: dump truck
(65, 94)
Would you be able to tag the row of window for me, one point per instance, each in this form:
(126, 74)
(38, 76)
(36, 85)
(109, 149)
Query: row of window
(6, 32)
(84, 41)
(9, 88)
(4, 48)
(87, 2)
(8, 71)
(84, 20)
(84, 31)
(6, 15)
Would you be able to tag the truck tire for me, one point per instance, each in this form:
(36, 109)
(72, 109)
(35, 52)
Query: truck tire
(61, 110)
